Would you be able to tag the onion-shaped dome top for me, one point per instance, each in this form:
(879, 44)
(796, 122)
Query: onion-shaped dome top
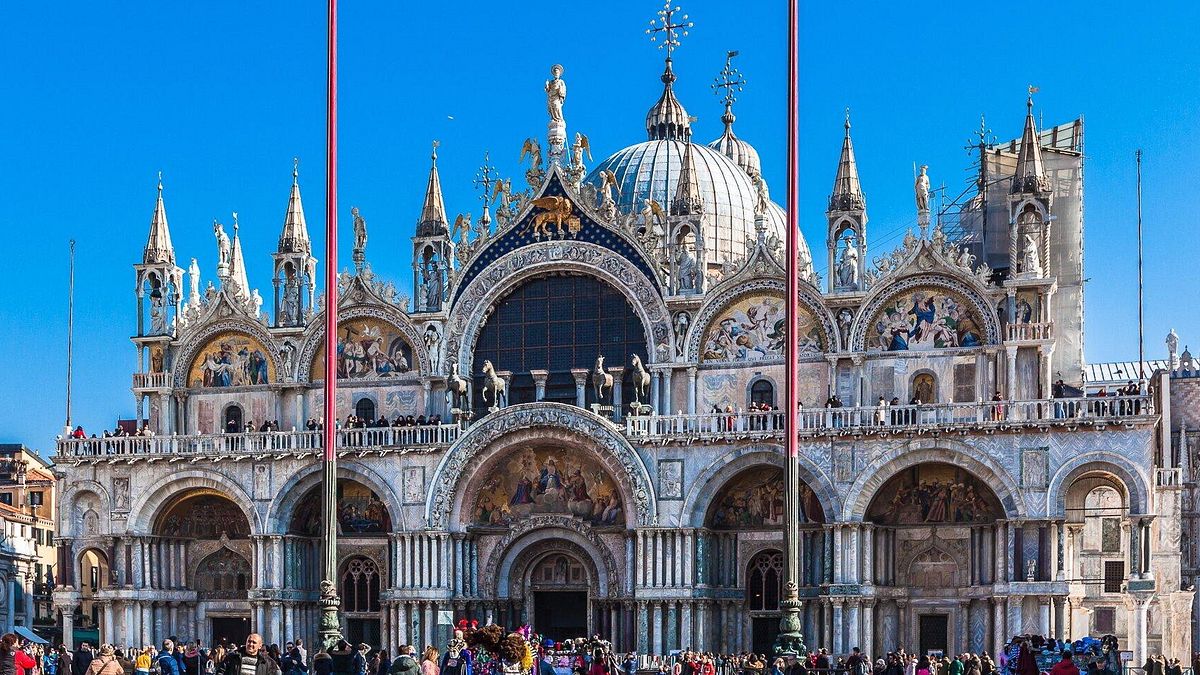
(667, 118)
(651, 170)
(742, 153)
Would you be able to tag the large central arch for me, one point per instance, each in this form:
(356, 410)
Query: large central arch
(517, 426)
(510, 270)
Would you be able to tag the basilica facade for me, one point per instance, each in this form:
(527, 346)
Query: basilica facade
(575, 421)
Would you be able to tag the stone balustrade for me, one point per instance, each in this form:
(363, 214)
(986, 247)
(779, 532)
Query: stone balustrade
(151, 380)
(1029, 332)
(424, 437)
(982, 416)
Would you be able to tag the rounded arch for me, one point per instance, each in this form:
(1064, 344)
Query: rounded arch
(474, 302)
(194, 343)
(314, 337)
(84, 498)
(502, 432)
(760, 388)
(149, 503)
(292, 493)
(988, 471)
(520, 572)
(497, 572)
(965, 286)
(95, 572)
(723, 301)
(922, 379)
(1120, 472)
(713, 478)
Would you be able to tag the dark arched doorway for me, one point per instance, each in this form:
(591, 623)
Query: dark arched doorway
(764, 588)
(559, 585)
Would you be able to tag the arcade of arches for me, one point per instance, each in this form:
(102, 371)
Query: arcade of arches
(545, 537)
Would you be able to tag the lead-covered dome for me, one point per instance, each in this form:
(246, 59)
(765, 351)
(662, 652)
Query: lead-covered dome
(651, 170)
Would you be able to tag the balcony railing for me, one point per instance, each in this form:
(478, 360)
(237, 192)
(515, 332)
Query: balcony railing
(1169, 477)
(876, 419)
(150, 380)
(1031, 331)
(425, 436)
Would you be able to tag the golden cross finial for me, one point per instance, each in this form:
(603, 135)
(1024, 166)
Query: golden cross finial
(295, 170)
(433, 156)
(730, 79)
(671, 30)
(484, 178)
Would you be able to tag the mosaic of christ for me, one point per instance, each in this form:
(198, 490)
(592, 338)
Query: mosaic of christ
(547, 480)
(925, 319)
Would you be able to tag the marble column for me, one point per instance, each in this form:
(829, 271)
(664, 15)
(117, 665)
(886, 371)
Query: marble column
(839, 627)
(854, 625)
(643, 627)
(1016, 619)
(868, 559)
(664, 394)
(68, 626)
(539, 383)
(691, 390)
(1141, 605)
(998, 637)
(618, 373)
(580, 375)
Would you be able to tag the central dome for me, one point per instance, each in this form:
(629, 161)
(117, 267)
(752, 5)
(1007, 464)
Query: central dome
(651, 170)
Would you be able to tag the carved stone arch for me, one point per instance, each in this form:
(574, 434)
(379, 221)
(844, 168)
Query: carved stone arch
(196, 341)
(776, 390)
(314, 337)
(963, 285)
(990, 472)
(1132, 480)
(474, 304)
(288, 497)
(498, 568)
(69, 500)
(709, 482)
(147, 505)
(501, 432)
(721, 298)
(527, 558)
(1036, 202)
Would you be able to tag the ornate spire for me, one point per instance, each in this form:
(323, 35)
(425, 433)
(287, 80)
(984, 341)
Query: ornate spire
(667, 119)
(158, 244)
(294, 238)
(433, 213)
(847, 192)
(687, 200)
(743, 154)
(1030, 177)
(237, 264)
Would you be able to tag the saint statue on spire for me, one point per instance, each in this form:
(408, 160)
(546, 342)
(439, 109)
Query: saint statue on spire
(556, 96)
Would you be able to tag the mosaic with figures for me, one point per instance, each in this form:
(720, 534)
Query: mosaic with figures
(231, 360)
(934, 493)
(754, 498)
(368, 349)
(549, 480)
(753, 329)
(924, 319)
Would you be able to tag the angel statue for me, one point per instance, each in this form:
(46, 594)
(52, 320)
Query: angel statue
(653, 217)
(608, 204)
(534, 150)
(462, 227)
(502, 188)
(581, 145)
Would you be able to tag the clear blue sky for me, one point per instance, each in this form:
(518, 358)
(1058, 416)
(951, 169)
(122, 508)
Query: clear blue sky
(220, 96)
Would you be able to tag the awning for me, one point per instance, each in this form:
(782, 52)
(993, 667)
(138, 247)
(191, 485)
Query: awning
(30, 635)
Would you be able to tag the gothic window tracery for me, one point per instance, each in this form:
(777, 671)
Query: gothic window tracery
(360, 586)
(764, 581)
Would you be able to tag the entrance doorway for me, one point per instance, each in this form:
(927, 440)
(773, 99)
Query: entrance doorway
(934, 632)
(560, 615)
(765, 630)
(231, 629)
(362, 630)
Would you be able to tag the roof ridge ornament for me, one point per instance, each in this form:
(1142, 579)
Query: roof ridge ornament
(556, 97)
(732, 82)
(667, 119)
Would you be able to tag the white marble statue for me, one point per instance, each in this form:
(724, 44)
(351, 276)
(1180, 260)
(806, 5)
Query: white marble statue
(682, 320)
(556, 94)
(922, 189)
(258, 303)
(763, 194)
(194, 283)
(580, 146)
(224, 252)
(433, 287)
(1031, 264)
(686, 266)
(360, 230)
(847, 270)
(1172, 349)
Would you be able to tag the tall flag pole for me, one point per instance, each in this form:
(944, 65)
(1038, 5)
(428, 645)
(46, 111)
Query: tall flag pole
(790, 639)
(70, 332)
(329, 628)
(1141, 337)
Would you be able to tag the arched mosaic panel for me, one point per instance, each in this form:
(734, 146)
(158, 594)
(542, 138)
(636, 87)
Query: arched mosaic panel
(926, 317)
(231, 359)
(755, 499)
(368, 349)
(549, 480)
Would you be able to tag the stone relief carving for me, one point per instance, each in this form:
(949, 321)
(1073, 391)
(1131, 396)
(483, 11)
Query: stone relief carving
(547, 521)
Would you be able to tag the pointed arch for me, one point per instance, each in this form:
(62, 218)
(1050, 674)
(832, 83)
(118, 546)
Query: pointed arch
(723, 299)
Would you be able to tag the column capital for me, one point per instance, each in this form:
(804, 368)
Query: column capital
(539, 375)
(692, 370)
(580, 375)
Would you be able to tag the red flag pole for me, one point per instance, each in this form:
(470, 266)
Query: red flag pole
(329, 628)
(790, 639)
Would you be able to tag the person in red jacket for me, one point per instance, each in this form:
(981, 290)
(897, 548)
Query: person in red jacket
(1066, 666)
(13, 661)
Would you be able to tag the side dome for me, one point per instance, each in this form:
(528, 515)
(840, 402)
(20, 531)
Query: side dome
(742, 153)
(651, 170)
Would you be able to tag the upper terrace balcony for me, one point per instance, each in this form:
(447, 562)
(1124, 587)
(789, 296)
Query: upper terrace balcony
(986, 417)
